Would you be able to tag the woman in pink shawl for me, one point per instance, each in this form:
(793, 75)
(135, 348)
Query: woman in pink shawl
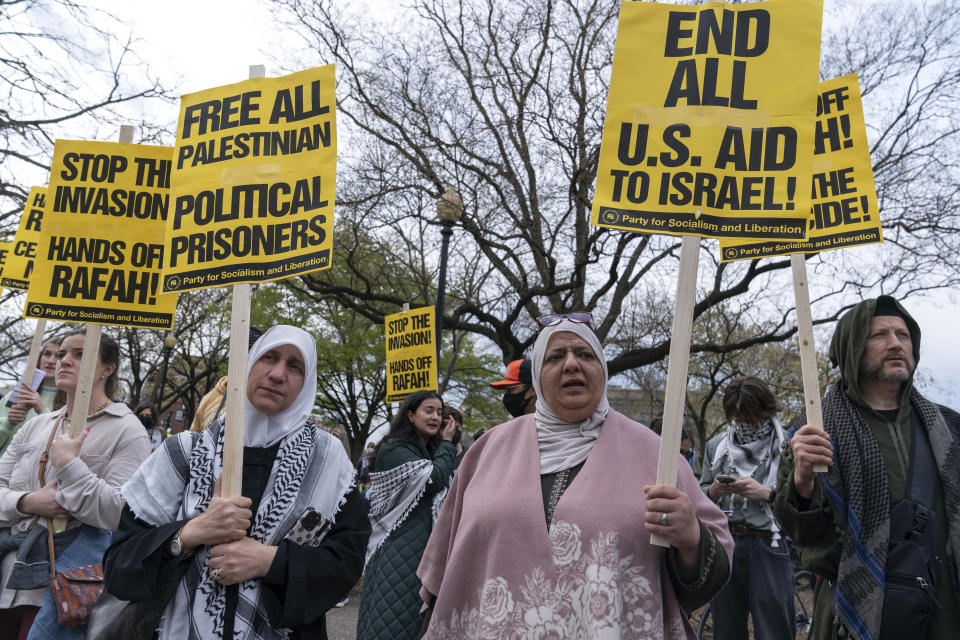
(546, 530)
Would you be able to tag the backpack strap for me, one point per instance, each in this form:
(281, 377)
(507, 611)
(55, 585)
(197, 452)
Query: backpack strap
(42, 475)
(922, 480)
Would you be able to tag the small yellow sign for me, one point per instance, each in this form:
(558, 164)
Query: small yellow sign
(254, 179)
(6, 250)
(844, 212)
(709, 129)
(411, 352)
(19, 266)
(101, 245)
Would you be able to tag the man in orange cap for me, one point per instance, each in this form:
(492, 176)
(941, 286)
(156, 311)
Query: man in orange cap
(519, 398)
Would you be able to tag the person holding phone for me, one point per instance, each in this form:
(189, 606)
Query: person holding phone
(411, 474)
(739, 473)
(23, 402)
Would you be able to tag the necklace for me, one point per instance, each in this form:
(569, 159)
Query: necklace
(95, 411)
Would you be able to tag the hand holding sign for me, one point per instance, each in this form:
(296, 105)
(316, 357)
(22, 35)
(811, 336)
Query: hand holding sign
(811, 450)
(710, 135)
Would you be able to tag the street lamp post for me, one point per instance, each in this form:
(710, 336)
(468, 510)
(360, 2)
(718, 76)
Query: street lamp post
(169, 344)
(449, 211)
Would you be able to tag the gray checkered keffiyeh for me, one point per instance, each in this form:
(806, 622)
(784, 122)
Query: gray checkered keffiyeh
(857, 487)
(752, 452)
(393, 495)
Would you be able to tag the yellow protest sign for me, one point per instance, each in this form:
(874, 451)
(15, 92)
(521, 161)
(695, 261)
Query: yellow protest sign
(101, 246)
(708, 130)
(254, 179)
(19, 266)
(844, 210)
(6, 250)
(411, 352)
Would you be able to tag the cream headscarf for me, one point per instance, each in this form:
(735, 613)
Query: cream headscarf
(565, 444)
(261, 430)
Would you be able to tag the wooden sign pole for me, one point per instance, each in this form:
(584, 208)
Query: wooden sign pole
(808, 352)
(237, 377)
(677, 367)
(91, 351)
(88, 363)
(35, 345)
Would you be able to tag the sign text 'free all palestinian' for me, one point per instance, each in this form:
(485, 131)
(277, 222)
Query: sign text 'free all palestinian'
(101, 244)
(411, 352)
(709, 127)
(844, 210)
(254, 178)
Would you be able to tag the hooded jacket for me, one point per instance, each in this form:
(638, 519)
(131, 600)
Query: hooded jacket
(814, 524)
(846, 351)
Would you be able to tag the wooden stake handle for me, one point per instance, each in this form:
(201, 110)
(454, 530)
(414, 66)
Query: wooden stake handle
(677, 367)
(808, 351)
(88, 370)
(237, 377)
(89, 361)
(81, 398)
(35, 345)
(236, 392)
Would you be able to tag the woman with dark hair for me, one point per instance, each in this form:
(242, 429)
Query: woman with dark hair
(740, 472)
(47, 474)
(150, 419)
(411, 474)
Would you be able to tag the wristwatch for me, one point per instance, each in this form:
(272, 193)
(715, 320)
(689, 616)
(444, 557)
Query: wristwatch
(176, 545)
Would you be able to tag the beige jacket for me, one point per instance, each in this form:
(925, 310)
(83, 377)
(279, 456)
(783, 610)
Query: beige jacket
(88, 487)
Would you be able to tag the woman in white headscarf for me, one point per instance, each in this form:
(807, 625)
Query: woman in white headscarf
(493, 570)
(265, 565)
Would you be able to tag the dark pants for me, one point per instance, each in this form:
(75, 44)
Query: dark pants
(15, 623)
(761, 585)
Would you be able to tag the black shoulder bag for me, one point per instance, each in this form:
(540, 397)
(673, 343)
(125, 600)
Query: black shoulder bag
(910, 596)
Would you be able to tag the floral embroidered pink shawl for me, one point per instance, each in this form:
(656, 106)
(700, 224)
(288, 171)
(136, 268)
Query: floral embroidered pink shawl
(497, 572)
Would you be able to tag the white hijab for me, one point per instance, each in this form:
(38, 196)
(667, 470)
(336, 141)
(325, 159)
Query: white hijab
(565, 444)
(261, 430)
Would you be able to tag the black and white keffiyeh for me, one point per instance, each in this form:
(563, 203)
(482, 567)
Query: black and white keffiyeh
(752, 452)
(393, 495)
(311, 477)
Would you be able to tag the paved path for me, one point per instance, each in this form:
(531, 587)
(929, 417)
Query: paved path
(342, 622)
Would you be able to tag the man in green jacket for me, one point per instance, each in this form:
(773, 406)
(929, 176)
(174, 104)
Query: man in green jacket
(841, 519)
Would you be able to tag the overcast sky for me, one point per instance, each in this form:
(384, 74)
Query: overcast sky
(199, 44)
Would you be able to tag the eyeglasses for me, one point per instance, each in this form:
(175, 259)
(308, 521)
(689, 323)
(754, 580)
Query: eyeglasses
(581, 317)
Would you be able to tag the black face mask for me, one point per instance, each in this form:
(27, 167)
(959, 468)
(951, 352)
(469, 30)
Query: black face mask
(148, 422)
(456, 436)
(516, 403)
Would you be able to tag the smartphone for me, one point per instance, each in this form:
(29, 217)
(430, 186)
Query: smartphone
(38, 376)
(726, 479)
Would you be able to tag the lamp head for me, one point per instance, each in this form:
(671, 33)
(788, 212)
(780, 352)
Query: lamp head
(449, 206)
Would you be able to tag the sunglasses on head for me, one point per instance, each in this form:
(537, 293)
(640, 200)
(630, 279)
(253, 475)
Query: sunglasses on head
(581, 317)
